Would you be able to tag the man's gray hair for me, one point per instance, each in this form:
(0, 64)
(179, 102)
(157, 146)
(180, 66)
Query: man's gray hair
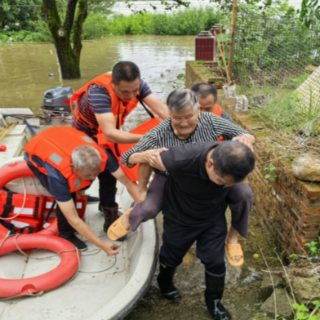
(182, 99)
(85, 157)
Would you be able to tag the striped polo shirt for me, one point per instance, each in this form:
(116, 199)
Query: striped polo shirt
(98, 100)
(209, 128)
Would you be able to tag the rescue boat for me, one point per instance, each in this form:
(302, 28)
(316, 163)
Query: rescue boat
(102, 287)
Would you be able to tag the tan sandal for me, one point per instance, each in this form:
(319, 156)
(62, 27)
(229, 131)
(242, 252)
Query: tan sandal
(117, 230)
(232, 250)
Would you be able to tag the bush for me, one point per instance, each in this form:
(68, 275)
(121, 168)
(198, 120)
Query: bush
(187, 22)
(22, 36)
(95, 26)
(183, 22)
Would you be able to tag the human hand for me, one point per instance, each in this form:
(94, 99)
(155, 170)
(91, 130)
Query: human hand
(244, 139)
(110, 248)
(153, 158)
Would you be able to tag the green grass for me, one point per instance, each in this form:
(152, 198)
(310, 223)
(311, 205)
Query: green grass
(284, 111)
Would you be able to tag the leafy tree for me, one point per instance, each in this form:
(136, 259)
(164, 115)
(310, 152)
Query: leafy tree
(68, 22)
(310, 12)
(18, 15)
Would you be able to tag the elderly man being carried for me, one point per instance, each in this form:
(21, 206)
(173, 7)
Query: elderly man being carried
(65, 161)
(186, 124)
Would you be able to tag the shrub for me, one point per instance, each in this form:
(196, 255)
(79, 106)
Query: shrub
(182, 22)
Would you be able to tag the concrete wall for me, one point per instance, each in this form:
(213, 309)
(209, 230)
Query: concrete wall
(289, 208)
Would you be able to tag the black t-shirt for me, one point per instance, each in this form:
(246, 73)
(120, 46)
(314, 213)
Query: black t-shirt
(191, 197)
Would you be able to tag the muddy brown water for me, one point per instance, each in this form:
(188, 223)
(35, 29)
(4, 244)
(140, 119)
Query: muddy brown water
(24, 70)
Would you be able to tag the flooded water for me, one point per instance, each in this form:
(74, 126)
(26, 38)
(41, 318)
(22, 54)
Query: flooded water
(25, 67)
(23, 81)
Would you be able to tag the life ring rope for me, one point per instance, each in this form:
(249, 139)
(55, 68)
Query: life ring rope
(30, 294)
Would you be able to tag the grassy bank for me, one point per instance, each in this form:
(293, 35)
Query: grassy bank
(186, 22)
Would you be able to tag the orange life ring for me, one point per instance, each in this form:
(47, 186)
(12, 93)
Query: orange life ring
(63, 272)
(14, 171)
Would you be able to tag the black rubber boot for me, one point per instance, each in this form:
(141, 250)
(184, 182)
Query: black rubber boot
(77, 242)
(165, 281)
(110, 216)
(213, 295)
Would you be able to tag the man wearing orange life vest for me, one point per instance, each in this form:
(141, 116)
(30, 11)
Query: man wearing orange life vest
(207, 97)
(65, 161)
(103, 104)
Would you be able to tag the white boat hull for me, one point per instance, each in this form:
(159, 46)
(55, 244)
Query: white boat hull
(105, 288)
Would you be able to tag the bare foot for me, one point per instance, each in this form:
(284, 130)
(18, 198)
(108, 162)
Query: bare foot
(233, 238)
(125, 220)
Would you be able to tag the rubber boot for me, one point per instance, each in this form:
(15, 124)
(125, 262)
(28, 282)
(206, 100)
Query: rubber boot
(110, 216)
(100, 206)
(213, 295)
(165, 281)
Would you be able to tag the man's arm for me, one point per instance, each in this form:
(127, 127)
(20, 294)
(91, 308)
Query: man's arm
(133, 156)
(156, 105)
(148, 156)
(107, 124)
(70, 212)
(231, 131)
(144, 173)
(131, 186)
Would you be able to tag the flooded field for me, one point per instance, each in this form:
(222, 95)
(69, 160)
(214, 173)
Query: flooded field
(23, 81)
(25, 68)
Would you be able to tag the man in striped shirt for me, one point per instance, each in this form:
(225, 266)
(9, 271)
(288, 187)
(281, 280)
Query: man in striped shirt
(103, 104)
(187, 125)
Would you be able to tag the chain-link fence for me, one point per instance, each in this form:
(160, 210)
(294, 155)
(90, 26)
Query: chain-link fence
(275, 64)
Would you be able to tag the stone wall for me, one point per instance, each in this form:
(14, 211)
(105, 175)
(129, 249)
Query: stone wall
(288, 207)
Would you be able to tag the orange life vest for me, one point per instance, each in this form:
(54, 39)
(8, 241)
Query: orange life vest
(119, 110)
(55, 146)
(217, 110)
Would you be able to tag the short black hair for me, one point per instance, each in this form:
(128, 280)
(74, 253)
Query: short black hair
(233, 158)
(125, 71)
(204, 89)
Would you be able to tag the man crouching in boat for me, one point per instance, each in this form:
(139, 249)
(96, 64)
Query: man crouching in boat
(65, 161)
(201, 175)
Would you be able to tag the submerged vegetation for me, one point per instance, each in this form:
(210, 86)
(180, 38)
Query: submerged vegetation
(183, 22)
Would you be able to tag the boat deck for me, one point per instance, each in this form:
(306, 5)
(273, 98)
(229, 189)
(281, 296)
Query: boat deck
(105, 287)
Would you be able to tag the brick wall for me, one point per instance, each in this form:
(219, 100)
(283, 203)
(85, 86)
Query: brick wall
(289, 208)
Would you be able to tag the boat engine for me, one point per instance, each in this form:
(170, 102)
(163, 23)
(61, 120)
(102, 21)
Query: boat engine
(56, 100)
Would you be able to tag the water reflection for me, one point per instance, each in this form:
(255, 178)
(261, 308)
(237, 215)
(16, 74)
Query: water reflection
(25, 67)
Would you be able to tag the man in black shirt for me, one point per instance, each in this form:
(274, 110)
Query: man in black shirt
(194, 210)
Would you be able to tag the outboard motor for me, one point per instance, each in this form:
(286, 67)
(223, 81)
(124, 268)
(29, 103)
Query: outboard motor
(56, 100)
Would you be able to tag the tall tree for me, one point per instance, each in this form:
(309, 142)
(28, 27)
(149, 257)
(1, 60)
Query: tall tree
(68, 53)
(69, 49)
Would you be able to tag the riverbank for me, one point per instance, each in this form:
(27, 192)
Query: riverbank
(183, 22)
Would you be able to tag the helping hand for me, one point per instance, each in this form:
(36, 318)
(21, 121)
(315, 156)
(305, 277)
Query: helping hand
(154, 159)
(110, 248)
(245, 141)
